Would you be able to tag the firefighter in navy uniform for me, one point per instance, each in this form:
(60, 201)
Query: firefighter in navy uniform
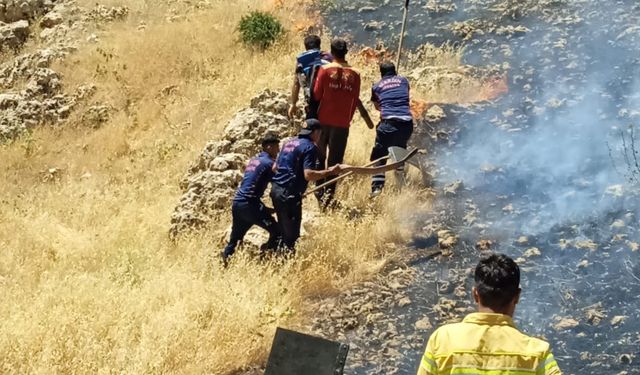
(307, 64)
(391, 97)
(247, 208)
(295, 168)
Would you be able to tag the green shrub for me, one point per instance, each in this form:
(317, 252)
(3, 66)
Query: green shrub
(260, 29)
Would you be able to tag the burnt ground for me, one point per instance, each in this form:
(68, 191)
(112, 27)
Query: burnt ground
(542, 176)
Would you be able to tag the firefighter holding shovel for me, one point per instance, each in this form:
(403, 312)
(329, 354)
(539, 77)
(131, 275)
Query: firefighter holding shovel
(390, 96)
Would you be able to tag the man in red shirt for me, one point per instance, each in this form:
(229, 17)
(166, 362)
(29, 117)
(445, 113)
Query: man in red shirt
(337, 90)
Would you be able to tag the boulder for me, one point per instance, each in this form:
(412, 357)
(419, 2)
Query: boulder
(212, 179)
(18, 10)
(9, 101)
(43, 81)
(51, 19)
(13, 35)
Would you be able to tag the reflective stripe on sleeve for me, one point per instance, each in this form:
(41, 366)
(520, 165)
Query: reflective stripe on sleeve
(428, 363)
(548, 364)
(477, 371)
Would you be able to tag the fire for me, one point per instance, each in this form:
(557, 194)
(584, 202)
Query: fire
(303, 19)
(277, 3)
(305, 25)
(419, 107)
(310, 22)
(375, 56)
(493, 88)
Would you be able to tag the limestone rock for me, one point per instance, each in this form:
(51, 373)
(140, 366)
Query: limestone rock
(618, 320)
(43, 81)
(51, 19)
(212, 179)
(17, 10)
(13, 35)
(424, 324)
(565, 323)
(435, 114)
(374, 25)
(532, 252)
(227, 161)
(9, 101)
(453, 188)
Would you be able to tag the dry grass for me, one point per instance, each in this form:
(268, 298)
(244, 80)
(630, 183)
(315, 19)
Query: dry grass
(90, 282)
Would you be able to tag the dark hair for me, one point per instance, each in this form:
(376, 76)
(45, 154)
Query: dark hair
(497, 280)
(387, 68)
(270, 139)
(312, 42)
(339, 48)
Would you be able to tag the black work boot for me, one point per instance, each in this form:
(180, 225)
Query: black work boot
(224, 259)
(376, 189)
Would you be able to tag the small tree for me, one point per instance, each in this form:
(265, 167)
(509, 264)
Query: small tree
(260, 29)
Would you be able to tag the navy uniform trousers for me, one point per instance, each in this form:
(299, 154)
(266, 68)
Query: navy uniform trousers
(389, 133)
(246, 215)
(288, 208)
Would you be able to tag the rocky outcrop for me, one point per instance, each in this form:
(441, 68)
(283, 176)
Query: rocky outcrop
(51, 19)
(14, 34)
(212, 180)
(33, 93)
(41, 99)
(17, 10)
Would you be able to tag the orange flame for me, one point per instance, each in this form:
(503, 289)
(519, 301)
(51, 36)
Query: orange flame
(276, 4)
(418, 107)
(375, 56)
(493, 88)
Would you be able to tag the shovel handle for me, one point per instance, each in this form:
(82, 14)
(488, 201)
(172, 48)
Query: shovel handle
(365, 115)
(338, 178)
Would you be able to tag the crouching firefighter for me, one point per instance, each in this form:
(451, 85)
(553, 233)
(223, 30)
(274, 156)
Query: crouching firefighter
(307, 64)
(391, 97)
(295, 168)
(247, 208)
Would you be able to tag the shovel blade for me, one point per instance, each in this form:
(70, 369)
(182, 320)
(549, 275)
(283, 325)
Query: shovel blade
(398, 153)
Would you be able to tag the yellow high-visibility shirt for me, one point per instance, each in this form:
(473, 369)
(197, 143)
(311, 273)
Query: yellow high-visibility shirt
(486, 344)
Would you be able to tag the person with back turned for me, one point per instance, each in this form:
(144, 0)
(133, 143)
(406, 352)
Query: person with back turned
(307, 66)
(337, 91)
(247, 208)
(294, 169)
(487, 342)
(390, 96)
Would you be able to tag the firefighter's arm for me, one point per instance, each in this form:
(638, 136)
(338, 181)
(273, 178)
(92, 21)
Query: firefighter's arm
(309, 159)
(549, 366)
(428, 365)
(318, 86)
(295, 93)
(374, 99)
(313, 175)
(364, 113)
